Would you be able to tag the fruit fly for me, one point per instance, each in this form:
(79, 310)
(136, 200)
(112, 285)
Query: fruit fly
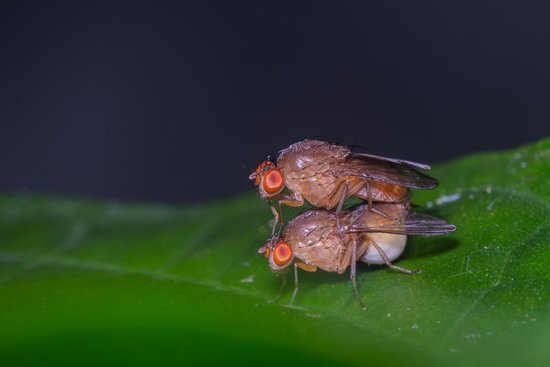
(327, 174)
(312, 240)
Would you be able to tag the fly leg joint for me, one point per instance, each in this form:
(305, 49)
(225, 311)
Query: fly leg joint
(390, 265)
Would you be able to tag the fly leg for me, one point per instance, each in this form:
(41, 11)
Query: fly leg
(341, 201)
(373, 209)
(303, 266)
(276, 216)
(352, 275)
(294, 200)
(282, 219)
(389, 263)
(280, 293)
(295, 284)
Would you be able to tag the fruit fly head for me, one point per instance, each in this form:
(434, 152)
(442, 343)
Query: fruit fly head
(280, 256)
(268, 178)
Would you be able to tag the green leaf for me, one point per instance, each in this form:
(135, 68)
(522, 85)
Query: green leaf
(91, 283)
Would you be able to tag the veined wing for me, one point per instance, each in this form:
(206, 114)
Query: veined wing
(395, 172)
(416, 224)
(393, 160)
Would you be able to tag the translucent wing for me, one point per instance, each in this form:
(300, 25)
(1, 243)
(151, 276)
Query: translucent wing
(416, 224)
(393, 160)
(392, 171)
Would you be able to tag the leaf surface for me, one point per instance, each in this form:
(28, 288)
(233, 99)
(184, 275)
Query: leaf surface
(85, 282)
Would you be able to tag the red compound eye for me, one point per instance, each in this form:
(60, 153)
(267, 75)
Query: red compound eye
(282, 254)
(273, 181)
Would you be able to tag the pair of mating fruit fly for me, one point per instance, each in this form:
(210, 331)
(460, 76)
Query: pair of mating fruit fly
(333, 238)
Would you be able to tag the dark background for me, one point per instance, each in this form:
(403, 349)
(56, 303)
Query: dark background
(180, 101)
